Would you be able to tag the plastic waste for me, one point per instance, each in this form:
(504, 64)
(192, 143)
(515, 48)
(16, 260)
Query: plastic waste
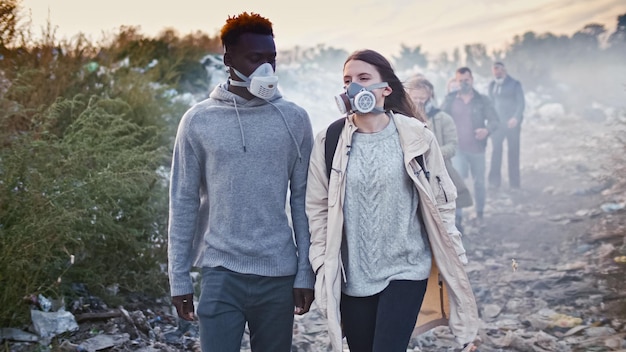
(611, 207)
(44, 303)
(50, 324)
(14, 334)
(40, 301)
(92, 66)
(565, 321)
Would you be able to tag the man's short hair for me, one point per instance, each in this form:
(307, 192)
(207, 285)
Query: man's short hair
(464, 70)
(244, 23)
(498, 63)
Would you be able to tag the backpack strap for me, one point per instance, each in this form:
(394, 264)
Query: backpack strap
(420, 161)
(332, 138)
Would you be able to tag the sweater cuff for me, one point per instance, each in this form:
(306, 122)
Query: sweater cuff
(305, 279)
(180, 285)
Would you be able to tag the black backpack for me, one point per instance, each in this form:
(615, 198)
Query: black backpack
(330, 146)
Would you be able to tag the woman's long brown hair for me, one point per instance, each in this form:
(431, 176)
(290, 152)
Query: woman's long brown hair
(398, 101)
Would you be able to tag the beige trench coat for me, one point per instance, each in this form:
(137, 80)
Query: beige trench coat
(449, 297)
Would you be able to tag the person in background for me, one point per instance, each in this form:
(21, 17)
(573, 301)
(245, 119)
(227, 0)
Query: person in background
(475, 118)
(236, 156)
(422, 94)
(508, 99)
(382, 228)
(453, 85)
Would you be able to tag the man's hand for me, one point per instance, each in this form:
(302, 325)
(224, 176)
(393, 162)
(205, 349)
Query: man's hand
(512, 122)
(481, 133)
(184, 306)
(302, 298)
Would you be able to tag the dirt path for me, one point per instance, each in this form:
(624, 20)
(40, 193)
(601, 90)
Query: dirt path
(564, 295)
(546, 228)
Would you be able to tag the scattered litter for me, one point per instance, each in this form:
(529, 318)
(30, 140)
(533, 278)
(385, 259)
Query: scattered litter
(50, 324)
(612, 207)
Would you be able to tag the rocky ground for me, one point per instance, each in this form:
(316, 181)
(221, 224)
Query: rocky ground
(547, 267)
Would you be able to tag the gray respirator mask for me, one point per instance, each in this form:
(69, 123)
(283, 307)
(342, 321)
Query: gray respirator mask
(359, 99)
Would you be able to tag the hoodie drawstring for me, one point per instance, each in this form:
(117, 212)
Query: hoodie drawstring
(293, 138)
(243, 137)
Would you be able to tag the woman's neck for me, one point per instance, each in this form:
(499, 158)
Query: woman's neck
(371, 123)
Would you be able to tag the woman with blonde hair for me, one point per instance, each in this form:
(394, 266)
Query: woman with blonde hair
(422, 94)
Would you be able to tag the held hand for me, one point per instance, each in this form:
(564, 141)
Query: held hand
(512, 122)
(302, 299)
(184, 306)
(481, 133)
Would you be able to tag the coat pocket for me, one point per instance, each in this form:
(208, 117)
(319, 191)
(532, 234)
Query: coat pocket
(444, 189)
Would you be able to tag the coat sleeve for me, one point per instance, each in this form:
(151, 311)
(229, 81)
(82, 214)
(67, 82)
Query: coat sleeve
(520, 103)
(449, 137)
(445, 196)
(317, 202)
(490, 114)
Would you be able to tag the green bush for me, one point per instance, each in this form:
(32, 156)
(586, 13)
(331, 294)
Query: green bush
(93, 193)
(85, 140)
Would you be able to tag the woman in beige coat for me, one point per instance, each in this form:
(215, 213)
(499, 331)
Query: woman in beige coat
(387, 256)
(422, 94)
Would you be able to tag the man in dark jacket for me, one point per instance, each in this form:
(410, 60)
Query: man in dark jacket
(475, 119)
(508, 99)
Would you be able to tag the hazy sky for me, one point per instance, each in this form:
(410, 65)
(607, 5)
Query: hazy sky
(436, 25)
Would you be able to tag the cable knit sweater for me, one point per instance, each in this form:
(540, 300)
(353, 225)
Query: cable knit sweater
(384, 240)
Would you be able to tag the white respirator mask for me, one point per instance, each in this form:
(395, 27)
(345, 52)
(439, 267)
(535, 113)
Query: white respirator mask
(359, 99)
(262, 83)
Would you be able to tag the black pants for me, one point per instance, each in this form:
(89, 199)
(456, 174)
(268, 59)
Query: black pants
(512, 136)
(383, 322)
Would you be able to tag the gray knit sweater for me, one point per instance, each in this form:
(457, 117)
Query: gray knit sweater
(384, 239)
(233, 164)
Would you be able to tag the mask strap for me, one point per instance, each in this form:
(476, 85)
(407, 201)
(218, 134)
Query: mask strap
(377, 85)
(246, 80)
(377, 109)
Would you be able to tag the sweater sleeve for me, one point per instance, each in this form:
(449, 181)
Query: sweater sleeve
(183, 210)
(304, 276)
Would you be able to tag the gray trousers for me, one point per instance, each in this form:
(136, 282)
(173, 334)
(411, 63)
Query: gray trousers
(512, 136)
(229, 300)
